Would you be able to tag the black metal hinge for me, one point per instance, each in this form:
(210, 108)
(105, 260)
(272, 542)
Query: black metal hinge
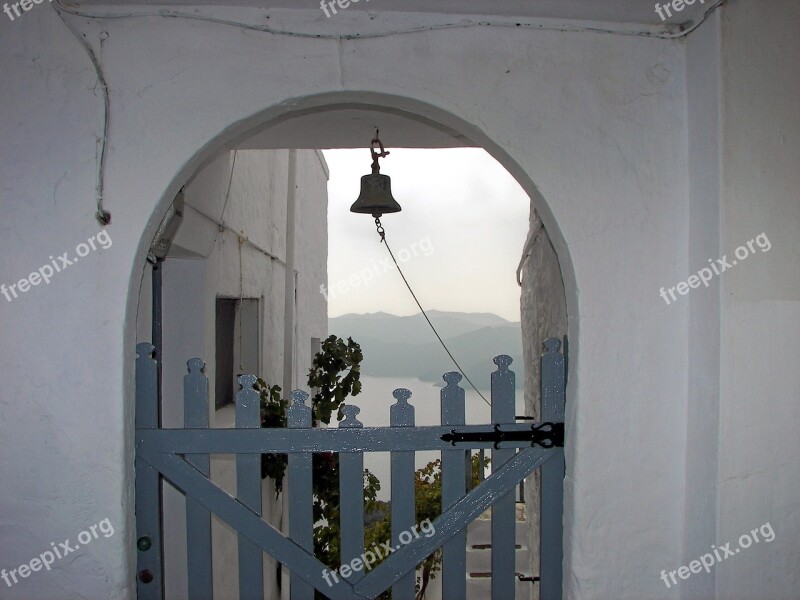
(546, 435)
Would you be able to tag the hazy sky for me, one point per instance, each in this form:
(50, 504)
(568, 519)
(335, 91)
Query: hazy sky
(458, 239)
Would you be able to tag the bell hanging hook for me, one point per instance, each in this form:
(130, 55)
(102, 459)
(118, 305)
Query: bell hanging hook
(376, 168)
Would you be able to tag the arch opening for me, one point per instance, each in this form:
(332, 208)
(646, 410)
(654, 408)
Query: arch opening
(278, 126)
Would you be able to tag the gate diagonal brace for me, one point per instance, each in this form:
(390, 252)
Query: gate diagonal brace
(545, 435)
(186, 478)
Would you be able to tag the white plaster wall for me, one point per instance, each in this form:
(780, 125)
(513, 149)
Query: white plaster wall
(598, 122)
(66, 442)
(759, 479)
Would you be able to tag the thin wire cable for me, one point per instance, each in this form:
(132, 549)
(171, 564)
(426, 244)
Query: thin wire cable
(228, 193)
(673, 31)
(526, 251)
(101, 214)
(382, 233)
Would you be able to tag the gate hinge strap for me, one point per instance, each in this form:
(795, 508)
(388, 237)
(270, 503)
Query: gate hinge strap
(546, 435)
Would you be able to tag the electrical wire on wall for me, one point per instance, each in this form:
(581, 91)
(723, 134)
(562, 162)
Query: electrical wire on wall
(670, 31)
(533, 237)
(103, 216)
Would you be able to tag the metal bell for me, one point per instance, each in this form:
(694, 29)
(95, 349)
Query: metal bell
(376, 190)
(376, 196)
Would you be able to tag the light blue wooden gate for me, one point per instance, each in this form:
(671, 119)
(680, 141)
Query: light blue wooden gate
(181, 456)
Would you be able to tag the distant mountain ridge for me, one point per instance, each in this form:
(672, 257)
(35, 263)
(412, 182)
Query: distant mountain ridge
(396, 346)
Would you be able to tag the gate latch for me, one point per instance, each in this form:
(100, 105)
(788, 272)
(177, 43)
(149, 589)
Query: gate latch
(546, 435)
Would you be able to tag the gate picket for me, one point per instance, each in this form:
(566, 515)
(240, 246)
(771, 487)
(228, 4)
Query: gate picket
(248, 489)
(149, 580)
(198, 518)
(351, 498)
(504, 509)
(301, 518)
(552, 495)
(402, 479)
(454, 552)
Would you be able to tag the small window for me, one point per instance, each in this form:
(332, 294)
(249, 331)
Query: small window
(237, 345)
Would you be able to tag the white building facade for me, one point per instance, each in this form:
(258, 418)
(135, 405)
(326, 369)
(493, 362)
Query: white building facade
(644, 156)
(223, 296)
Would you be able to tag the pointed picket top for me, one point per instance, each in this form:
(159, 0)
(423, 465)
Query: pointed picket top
(350, 411)
(503, 384)
(195, 394)
(145, 350)
(196, 366)
(401, 413)
(248, 402)
(402, 395)
(147, 410)
(503, 361)
(299, 415)
(299, 397)
(452, 398)
(247, 381)
(452, 378)
(552, 344)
